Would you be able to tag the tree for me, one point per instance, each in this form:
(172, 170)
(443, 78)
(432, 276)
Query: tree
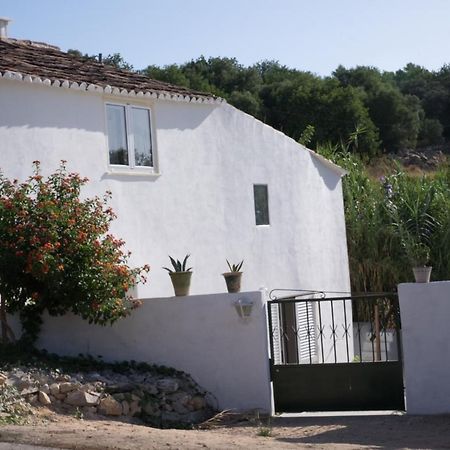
(397, 116)
(56, 253)
(170, 74)
(333, 110)
(247, 102)
(116, 60)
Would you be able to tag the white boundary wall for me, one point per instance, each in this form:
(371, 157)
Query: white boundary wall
(425, 315)
(201, 335)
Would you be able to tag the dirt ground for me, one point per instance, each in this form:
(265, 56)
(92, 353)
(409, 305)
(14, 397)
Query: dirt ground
(357, 432)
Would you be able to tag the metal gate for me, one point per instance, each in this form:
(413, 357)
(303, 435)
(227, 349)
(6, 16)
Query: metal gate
(336, 354)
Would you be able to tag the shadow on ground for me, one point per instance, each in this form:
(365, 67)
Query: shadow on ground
(415, 432)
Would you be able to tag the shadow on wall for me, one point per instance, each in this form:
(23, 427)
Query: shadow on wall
(330, 178)
(31, 107)
(181, 116)
(130, 178)
(39, 107)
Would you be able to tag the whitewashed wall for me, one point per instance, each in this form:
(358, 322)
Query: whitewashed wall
(425, 314)
(201, 335)
(364, 343)
(209, 157)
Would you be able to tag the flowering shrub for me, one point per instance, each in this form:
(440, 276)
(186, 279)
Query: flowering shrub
(56, 253)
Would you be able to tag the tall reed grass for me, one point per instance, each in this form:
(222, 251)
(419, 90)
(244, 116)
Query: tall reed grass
(378, 261)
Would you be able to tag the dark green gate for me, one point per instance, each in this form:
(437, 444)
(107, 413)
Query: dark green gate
(336, 354)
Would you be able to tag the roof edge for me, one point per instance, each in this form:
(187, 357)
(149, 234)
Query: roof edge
(110, 90)
(326, 162)
(330, 164)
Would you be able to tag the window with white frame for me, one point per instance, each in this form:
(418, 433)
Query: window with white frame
(129, 136)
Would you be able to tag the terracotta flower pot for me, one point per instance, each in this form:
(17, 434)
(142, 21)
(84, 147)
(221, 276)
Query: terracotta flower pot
(181, 282)
(233, 280)
(422, 274)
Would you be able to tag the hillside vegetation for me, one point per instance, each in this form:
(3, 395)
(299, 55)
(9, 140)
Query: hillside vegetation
(396, 110)
(392, 221)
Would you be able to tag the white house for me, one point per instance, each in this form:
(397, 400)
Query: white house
(188, 172)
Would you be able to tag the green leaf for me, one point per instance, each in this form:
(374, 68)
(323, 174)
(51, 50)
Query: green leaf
(184, 262)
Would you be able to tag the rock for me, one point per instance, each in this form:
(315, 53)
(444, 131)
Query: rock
(134, 408)
(198, 403)
(79, 377)
(54, 388)
(3, 379)
(23, 384)
(138, 378)
(42, 379)
(89, 412)
(121, 387)
(81, 398)
(62, 378)
(119, 397)
(60, 396)
(29, 391)
(146, 394)
(180, 409)
(167, 385)
(67, 387)
(150, 407)
(33, 398)
(137, 395)
(180, 401)
(44, 399)
(125, 408)
(109, 407)
(150, 388)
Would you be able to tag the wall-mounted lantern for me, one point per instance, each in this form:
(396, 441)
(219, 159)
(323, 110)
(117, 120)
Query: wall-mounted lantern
(244, 307)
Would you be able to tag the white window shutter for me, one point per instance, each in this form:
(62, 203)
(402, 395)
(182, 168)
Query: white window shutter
(276, 332)
(307, 346)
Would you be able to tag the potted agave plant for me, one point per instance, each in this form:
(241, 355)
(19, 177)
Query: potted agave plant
(233, 277)
(180, 276)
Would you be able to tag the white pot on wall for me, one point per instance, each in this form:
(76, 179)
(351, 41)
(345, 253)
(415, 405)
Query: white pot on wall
(422, 274)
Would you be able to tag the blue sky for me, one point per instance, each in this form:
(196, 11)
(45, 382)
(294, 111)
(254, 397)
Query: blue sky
(314, 35)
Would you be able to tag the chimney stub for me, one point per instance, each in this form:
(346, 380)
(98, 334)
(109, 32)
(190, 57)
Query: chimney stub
(4, 27)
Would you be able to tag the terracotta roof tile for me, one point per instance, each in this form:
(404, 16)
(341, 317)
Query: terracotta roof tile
(47, 61)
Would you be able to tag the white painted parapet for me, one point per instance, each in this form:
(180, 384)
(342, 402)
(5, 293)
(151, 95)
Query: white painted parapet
(425, 315)
(202, 335)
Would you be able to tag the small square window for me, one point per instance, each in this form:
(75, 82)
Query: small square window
(261, 196)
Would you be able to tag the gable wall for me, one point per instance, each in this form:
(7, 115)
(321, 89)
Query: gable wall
(209, 157)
